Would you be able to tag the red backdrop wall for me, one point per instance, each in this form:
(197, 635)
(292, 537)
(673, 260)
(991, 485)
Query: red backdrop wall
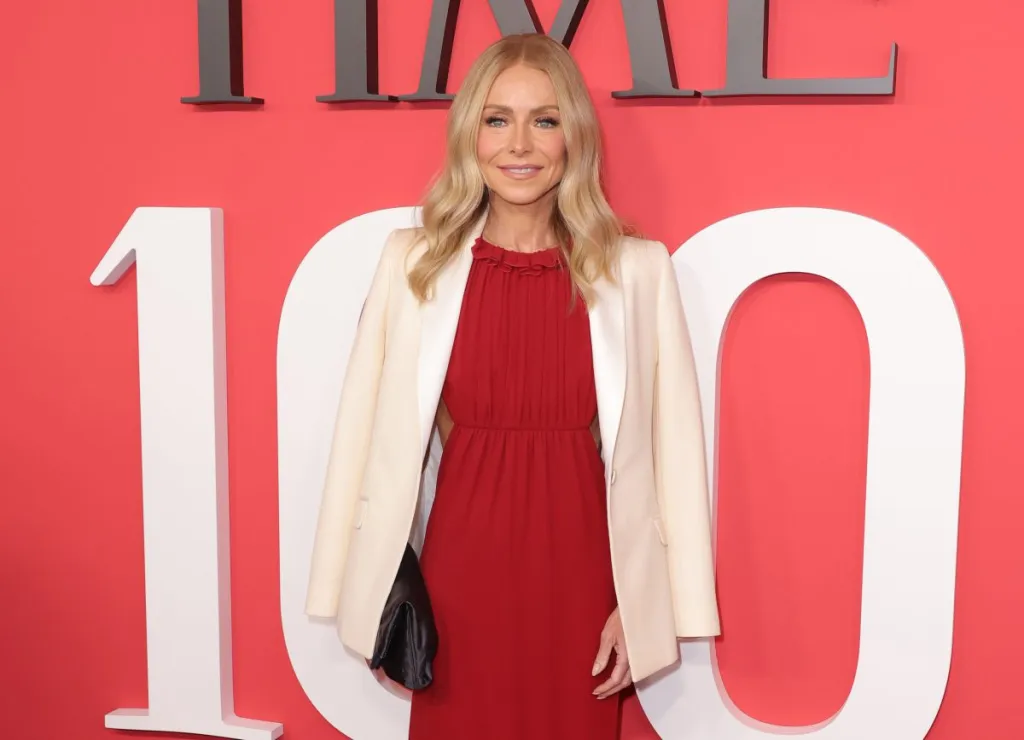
(92, 127)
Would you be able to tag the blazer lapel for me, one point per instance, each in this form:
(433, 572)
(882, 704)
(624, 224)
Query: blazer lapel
(608, 346)
(439, 318)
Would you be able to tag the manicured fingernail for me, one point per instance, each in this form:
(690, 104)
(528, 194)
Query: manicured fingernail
(597, 667)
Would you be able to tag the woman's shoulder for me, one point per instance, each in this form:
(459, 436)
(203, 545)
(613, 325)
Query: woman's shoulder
(641, 258)
(403, 246)
(404, 239)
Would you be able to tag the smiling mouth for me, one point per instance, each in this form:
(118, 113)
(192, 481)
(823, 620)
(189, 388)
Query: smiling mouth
(521, 171)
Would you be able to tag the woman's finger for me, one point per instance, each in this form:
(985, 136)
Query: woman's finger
(604, 651)
(625, 683)
(619, 673)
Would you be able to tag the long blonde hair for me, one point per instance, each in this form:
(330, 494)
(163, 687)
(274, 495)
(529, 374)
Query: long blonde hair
(585, 224)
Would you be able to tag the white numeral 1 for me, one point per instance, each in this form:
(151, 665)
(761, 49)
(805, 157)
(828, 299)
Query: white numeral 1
(179, 254)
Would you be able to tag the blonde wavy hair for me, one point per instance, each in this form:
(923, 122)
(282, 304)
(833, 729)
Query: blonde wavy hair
(587, 228)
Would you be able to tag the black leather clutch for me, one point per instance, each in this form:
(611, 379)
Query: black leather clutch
(407, 637)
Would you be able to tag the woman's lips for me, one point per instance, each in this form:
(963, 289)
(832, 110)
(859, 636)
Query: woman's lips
(520, 172)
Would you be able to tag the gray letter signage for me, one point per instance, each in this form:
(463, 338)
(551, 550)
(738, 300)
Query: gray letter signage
(747, 58)
(645, 32)
(356, 56)
(355, 53)
(220, 54)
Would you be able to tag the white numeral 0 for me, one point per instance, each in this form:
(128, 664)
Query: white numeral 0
(915, 428)
(915, 433)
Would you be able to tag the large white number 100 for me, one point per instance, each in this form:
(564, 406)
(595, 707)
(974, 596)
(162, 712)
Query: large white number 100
(914, 447)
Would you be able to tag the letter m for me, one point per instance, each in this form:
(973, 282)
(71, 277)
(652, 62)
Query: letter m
(646, 35)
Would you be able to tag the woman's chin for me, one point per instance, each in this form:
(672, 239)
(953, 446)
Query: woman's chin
(521, 196)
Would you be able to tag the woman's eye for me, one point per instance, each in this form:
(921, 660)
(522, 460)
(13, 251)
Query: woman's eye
(547, 122)
(494, 120)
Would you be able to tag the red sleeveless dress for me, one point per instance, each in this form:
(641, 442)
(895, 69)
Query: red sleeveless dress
(516, 555)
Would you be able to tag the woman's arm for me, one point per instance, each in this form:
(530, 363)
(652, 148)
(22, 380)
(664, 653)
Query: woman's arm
(350, 444)
(444, 421)
(679, 464)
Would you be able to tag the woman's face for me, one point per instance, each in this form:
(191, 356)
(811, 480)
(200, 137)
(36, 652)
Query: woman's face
(520, 147)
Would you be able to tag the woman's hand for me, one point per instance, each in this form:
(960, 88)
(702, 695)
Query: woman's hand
(612, 638)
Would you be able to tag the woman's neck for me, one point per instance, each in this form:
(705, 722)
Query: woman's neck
(520, 228)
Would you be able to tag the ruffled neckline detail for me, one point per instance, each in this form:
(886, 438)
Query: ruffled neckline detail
(531, 263)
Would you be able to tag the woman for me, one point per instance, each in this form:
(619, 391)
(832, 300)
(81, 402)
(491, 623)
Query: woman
(568, 542)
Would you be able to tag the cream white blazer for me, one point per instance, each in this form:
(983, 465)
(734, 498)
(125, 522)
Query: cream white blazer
(383, 461)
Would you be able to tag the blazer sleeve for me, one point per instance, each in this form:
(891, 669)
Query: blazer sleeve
(679, 461)
(350, 445)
